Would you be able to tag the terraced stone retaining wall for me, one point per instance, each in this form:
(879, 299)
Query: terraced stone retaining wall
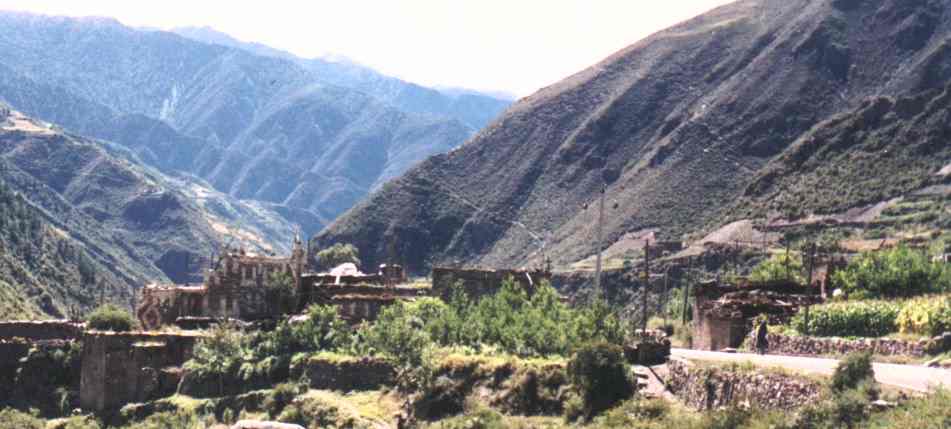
(708, 388)
(816, 346)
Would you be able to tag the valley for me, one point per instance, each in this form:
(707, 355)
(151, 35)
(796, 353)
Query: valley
(742, 220)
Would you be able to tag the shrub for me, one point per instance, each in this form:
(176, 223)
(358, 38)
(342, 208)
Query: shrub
(893, 273)
(600, 374)
(173, 420)
(13, 419)
(280, 397)
(925, 316)
(851, 371)
(111, 318)
(849, 319)
(930, 411)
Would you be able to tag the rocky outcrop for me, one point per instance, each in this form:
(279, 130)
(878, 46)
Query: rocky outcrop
(707, 388)
(813, 346)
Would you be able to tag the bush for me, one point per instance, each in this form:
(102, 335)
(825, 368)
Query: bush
(515, 321)
(13, 419)
(280, 397)
(930, 411)
(852, 371)
(925, 316)
(173, 420)
(893, 273)
(600, 374)
(849, 319)
(111, 318)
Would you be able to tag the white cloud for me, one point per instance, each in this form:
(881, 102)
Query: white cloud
(509, 45)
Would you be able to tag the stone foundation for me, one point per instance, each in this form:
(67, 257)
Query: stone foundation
(711, 388)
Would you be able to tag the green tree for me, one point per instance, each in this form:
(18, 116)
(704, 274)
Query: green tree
(282, 293)
(781, 266)
(894, 272)
(338, 254)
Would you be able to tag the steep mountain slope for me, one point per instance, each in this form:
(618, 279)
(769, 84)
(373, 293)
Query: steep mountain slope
(43, 270)
(143, 225)
(254, 127)
(471, 108)
(680, 126)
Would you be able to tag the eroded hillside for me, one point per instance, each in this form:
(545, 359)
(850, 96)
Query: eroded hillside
(680, 126)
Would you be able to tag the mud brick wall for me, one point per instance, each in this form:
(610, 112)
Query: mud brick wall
(345, 374)
(710, 388)
(119, 368)
(41, 330)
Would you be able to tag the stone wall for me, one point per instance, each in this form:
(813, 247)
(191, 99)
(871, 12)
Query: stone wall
(119, 368)
(813, 346)
(477, 283)
(345, 374)
(708, 388)
(41, 330)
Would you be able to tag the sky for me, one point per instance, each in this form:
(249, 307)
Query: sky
(510, 46)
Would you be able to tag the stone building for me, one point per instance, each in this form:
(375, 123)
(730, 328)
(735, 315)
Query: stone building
(723, 314)
(237, 287)
(478, 283)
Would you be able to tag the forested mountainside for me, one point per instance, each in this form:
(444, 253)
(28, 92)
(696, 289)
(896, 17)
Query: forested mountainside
(134, 223)
(254, 127)
(470, 107)
(758, 108)
(43, 271)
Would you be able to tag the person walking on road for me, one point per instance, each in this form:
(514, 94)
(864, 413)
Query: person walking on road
(762, 343)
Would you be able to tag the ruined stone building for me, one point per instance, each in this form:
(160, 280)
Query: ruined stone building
(242, 286)
(478, 283)
(723, 314)
(237, 287)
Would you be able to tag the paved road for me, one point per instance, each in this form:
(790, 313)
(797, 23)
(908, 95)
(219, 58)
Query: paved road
(914, 377)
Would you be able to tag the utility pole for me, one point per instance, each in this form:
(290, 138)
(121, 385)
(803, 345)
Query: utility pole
(597, 263)
(812, 265)
(647, 282)
(689, 275)
(663, 304)
(787, 260)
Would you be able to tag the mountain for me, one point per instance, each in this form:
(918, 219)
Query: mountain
(256, 128)
(128, 221)
(756, 109)
(472, 108)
